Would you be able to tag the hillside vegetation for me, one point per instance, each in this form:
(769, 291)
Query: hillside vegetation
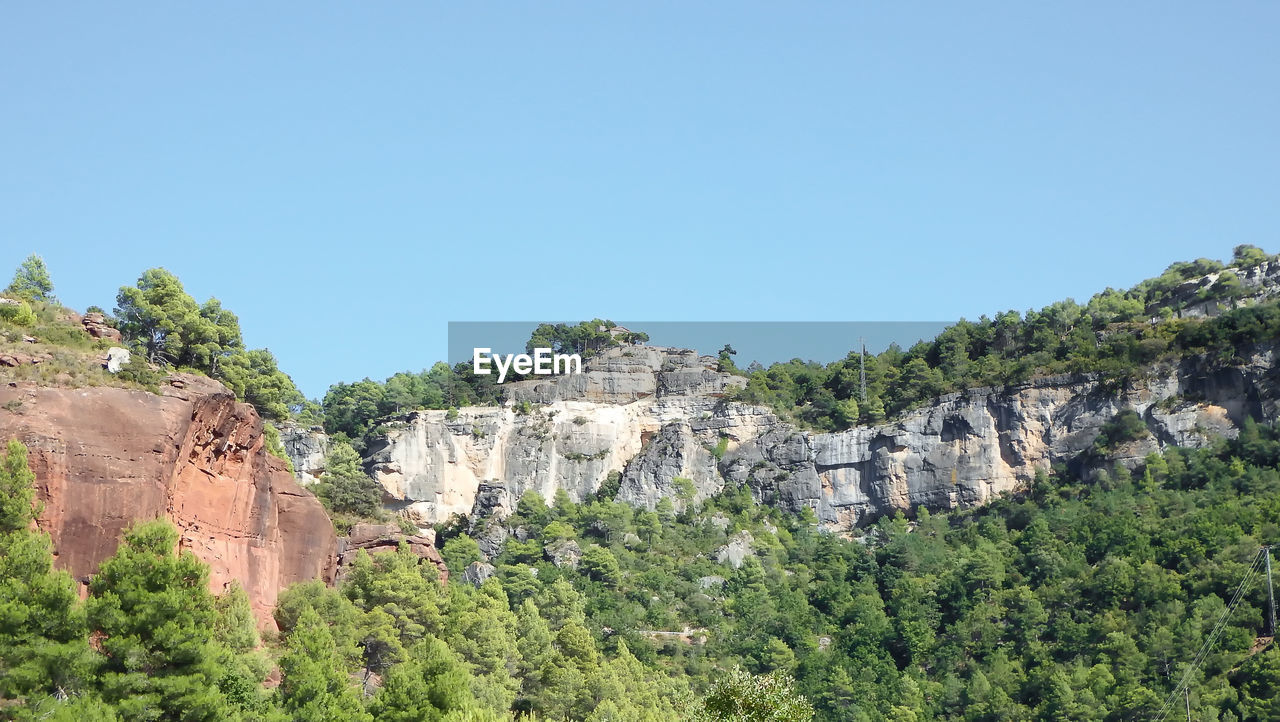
(1116, 334)
(1070, 600)
(1073, 601)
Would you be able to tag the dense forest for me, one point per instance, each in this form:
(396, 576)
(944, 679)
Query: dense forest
(1072, 599)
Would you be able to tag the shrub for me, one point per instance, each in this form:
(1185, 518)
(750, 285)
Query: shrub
(18, 313)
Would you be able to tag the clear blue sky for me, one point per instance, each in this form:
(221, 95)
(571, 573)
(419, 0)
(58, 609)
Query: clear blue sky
(348, 177)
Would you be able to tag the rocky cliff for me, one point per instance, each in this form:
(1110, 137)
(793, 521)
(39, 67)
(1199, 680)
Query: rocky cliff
(306, 448)
(107, 457)
(629, 403)
(657, 420)
(965, 448)
(1194, 298)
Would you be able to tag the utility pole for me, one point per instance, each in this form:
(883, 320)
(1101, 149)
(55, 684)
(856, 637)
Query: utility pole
(1271, 598)
(862, 368)
(1186, 694)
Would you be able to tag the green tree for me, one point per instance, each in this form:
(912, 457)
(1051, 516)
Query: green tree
(743, 697)
(159, 319)
(255, 378)
(43, 650)
(395, 591)
(168, 326)
(724, 360)
(350, 408)
(1246, 256)
(234, 624)
(18, 314)
(600, 564)
(624, 690)
(459, 552)
(345, 621)
(344, 488)
(314, 687)
(586, 338)
(155, 617)
(432, 684)
(481, 629)
(534, 644)
(31, 282)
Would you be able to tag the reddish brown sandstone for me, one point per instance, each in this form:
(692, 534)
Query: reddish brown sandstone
(106, 457)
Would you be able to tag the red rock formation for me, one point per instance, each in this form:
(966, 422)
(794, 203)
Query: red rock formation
(381, 538)
(107, 457)
(96, 325)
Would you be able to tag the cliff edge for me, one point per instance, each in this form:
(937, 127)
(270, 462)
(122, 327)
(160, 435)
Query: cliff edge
(107, 457)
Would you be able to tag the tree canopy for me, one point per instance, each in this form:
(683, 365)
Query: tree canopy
(160, 320)
(31, 282)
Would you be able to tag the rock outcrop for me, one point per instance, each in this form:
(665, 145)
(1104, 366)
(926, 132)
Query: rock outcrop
(105, 458)
(737, 550)
(386, 538)
(95, 324)
(307, 449)
(662, 428)
(477, 573)
(663, 405)
(1194, 298)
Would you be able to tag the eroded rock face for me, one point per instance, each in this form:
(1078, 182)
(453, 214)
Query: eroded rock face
(1258, 284)
(107, 457)
(387, 538)
(307, 449)
(96, 325)
(685, 441)
(630, 373)
(967, 447)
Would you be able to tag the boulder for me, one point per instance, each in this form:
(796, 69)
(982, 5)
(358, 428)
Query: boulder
(478, 573)
(96, 326)
(384, 539)
(736, 551)
(15, 359)
(564, 553)
(116, 359)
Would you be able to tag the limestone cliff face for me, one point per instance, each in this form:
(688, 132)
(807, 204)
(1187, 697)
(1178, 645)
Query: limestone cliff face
(658, 417)
(583, 428)
(965, 448)
(107, 457)
(306, 449)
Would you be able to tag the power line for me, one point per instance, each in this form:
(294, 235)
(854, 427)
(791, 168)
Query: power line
(1183, 688)
(1271, 600)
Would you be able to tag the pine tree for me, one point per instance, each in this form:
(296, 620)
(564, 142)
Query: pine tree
(43, 647)
(314, 686)
(31, 282)
(533, 642)
(481, 629)
(152, 611)
(433, 683)
(344, 487)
